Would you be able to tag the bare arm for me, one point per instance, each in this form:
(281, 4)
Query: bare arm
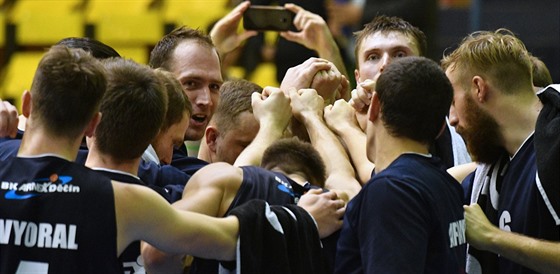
(341, 119)
(210, 192)
(461, 171)
(272, 110)
(153, 220)
(539, 255)
(307, 107)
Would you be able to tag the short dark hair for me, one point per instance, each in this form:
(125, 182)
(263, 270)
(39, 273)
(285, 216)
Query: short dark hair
(384, 24)
(162, 53)
(178, 103)
(235, 98)
(132, 110)
(415, 96)
(97, 49)
(66, 91)
(291, 155)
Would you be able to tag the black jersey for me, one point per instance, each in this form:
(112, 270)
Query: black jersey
(130, 258)
(258, 183)
(513, 199)
(56, 217)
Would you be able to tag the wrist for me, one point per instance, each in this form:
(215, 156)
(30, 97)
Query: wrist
(273, 128)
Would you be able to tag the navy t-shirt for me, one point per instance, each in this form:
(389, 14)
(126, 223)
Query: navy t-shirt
(407, 219)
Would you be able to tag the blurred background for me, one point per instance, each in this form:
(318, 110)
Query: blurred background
(133, 27)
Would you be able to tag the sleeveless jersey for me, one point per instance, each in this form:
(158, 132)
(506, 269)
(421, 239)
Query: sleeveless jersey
(407, 219)
(130, 258)
(509, 195)
(258, 183)
(56, 217)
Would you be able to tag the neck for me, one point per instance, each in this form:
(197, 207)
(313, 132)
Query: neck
(37, 141)
(517, 118)
(97, 159)
(387, 148)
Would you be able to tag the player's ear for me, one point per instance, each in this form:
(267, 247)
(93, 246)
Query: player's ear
(374, 107)
(211, 135)
(92, 125)
(26, 103)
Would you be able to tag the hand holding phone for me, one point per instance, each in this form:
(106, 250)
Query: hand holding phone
(271, 18)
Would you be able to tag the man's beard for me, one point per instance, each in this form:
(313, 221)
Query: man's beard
(483, 137)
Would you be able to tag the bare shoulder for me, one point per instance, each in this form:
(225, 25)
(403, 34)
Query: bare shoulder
(216, 173)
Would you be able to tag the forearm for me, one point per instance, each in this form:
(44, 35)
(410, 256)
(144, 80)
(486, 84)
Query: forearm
(340, 173)
(156, 261)
(355, 141)
(252, 154)
(539, 255)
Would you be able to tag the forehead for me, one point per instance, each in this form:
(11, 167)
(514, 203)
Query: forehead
(388, 40)
(193, 59)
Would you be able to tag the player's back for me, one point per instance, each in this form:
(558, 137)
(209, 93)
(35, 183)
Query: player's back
(55, 217)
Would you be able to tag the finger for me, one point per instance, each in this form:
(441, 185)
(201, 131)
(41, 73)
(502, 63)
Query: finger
(291, 36)
(309, 92)
(13, 122)
(330, 195)
(293, 93)
(339, 213)
(293, 7)
(368, 84)
(314, 191)
(256, 97)
(247, 34)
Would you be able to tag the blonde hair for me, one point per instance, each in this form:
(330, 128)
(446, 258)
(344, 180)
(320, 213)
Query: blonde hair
(497, 55)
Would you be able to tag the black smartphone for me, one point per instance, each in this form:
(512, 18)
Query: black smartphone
(272, 18)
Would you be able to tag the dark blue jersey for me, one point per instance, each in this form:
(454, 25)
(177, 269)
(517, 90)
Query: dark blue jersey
(406, 219)
(165, 177)
(56, 217)
(130, 258)
(511, 198)
(273, 187)
(186, 164)
(9, 148)
(258, 183)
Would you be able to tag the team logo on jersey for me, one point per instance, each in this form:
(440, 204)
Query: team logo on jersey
(26, 190)
(284, 186)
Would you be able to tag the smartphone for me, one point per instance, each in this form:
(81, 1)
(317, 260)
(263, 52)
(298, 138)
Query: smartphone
(272, 18)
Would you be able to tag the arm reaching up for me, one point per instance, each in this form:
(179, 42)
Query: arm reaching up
(272, 110)
(307, 107)
(341, 119)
